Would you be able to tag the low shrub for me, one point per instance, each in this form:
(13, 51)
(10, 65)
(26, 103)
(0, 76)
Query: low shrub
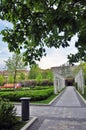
(7, 115)
(34, 94)
(45, 83)
(33, 83)
(30, 83)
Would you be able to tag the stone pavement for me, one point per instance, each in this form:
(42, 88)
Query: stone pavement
(68, 112)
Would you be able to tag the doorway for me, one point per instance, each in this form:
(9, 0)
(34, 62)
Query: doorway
(69, 82)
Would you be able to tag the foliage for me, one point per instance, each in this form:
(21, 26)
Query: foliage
(30, 83)
(34, 71)
(82, 66)
(13, 64)
(10, 79)
(2, 80)
(7, 115)
(39, 94)
(44, 22)
(22, 76)
(47, 74)
(39, 78)
(45, 82)
(34, 83)
(84, 95)
(39, 74)
(46, 101)
(19, 125)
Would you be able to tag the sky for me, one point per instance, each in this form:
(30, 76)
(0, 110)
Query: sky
(54, 57)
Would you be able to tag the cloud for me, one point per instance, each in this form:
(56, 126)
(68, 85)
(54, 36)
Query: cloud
(55, 58)
(51, 61)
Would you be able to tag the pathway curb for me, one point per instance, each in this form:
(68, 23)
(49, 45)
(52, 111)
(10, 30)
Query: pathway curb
(81, 97)
(29, 123)
(56, 97)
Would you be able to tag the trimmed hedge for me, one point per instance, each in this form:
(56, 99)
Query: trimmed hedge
(36, 95)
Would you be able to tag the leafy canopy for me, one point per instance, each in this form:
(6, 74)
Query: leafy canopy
(40, 23)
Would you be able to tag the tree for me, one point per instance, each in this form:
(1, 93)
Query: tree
(47, 74)
(39, 78)
(37, 23)
(39, 74)
(34, 71)
(13, 64)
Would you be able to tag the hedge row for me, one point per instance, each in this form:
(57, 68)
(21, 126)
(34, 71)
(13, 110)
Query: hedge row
(33, 83)
(36, 95)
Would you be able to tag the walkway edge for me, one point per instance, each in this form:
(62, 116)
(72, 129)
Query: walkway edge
(81, 97)
(29, 123)
(56, 97)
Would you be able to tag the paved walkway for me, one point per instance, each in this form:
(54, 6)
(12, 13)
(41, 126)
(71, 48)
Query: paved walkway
(69, 98)
(68, 112)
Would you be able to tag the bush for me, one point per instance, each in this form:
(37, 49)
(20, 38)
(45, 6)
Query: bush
(30, 83)
(45, 83)
(33, 83)
(7, 115)
(36, 95)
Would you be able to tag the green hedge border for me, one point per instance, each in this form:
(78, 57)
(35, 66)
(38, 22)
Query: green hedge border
(36, 95)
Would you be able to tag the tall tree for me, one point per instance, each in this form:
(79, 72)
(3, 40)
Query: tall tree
(37, 23)
(13, 64)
